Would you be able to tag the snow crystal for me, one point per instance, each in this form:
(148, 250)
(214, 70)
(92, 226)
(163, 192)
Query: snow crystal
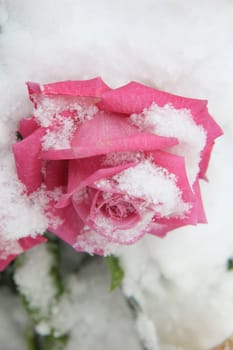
(61, 117)
(168, 121)
(155, 185)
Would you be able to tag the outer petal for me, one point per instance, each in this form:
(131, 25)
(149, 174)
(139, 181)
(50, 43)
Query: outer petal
(29, 242)
(27, 126)
(175, 165)
(27, 160)
(83, 88)
(71, 225)
(55, 174)
(213, 131)
(108, 132)
(134, 97)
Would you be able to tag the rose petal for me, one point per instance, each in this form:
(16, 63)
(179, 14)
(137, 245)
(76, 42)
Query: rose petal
(200, 212)
(28, 163)
(29, 242)
(55, 174)
(213, 131)
(26, 243)
(175, 165)
(92, 87)
(27, 126)
(134, 97)
(71, 224)
(108, 132)
(5, 262)
(85, 172)
(61, 154)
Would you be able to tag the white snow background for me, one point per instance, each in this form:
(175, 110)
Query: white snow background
(181, 46)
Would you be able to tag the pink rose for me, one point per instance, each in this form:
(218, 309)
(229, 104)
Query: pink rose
(116, 163)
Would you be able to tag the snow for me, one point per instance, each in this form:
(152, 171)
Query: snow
(95, 317)
(13, 323)
(89, 241)
(20, 215)
(168, 121)
(184, 47)
(49, 113)
(34, 280)
(155, 185)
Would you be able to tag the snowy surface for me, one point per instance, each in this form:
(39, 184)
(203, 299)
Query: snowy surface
(13, 322)
(95, 317)
(184, 47)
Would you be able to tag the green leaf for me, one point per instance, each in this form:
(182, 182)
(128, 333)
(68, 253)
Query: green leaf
(230, 264)
(52, 343)
(116, 271)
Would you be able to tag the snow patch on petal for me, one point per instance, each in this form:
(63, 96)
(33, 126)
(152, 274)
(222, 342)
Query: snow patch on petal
(61, 117)
(156, 186)
(170, 122)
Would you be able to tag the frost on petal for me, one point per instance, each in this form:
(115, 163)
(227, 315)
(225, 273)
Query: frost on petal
(106, 228)
(28, 163)
(108, 132)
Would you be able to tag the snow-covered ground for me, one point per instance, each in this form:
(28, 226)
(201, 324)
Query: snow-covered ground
(184, 47)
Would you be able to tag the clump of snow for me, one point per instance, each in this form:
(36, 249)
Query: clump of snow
(147, 332)
(13, 321)
(179, 123)
(9, 247)
(61, 117)
(20, 215)
(34, 279)
(155, 185)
